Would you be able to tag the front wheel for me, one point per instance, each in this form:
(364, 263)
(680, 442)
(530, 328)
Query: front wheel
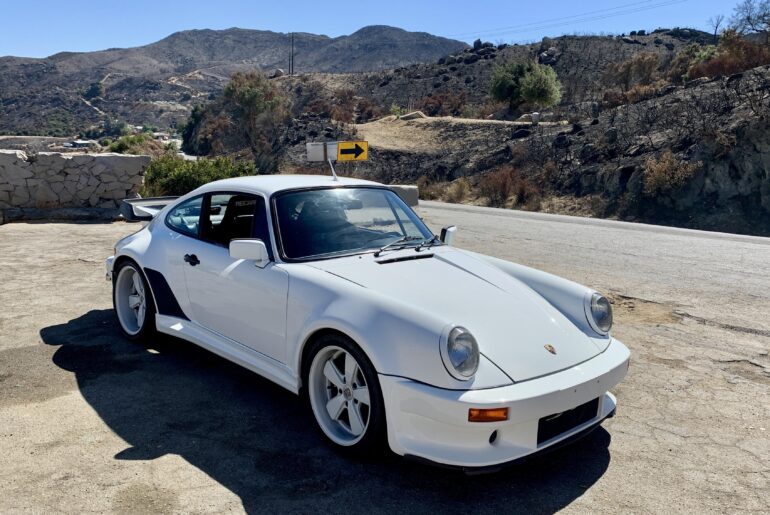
(345, 395)
(132, 299)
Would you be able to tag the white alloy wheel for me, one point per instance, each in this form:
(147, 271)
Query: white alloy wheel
(339, 395)
(131, 300)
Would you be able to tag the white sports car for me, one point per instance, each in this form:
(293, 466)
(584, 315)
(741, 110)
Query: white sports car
(336, 289)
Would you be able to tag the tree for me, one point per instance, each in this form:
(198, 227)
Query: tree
(715, 22)
(520, 82)
(752, 16)
(250, 113)
(541, 87)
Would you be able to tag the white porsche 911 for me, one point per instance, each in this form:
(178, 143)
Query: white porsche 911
(336, 289)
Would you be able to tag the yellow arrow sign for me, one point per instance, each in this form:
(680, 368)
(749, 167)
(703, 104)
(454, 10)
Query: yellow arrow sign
(352, 150)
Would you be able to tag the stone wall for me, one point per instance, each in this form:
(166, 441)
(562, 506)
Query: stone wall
(51, 185)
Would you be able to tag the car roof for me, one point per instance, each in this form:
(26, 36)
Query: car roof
(269, 184)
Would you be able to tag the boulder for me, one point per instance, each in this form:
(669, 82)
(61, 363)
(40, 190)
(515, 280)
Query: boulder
(588, 153)
(45, 197)
(19, 196)
(562, 141)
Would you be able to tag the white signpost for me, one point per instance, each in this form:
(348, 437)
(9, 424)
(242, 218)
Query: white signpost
(331, 151)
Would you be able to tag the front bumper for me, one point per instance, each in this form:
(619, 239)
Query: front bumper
(108, 267)
(432, 423)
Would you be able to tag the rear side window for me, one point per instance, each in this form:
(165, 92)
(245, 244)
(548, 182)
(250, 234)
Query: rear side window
(185, 218)
(231, 216)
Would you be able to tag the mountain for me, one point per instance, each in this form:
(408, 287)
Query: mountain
(158, 83)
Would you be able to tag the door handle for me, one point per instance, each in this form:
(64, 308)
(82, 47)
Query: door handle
(192, 259)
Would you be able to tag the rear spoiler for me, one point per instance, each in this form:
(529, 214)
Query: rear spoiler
(143, 209)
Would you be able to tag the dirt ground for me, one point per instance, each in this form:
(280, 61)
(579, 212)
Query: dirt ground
(90, 422)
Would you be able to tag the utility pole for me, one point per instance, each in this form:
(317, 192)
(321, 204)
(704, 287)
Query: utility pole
(291, 61)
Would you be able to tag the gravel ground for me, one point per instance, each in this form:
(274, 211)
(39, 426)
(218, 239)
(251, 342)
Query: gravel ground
(92, 423)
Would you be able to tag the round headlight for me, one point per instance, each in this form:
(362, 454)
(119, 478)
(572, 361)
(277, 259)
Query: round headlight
(600, 313)
(460, 353)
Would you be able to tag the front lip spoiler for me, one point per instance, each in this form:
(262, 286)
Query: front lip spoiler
(474, 471)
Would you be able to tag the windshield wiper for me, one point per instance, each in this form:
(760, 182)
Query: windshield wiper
(433, 240)
(403, 239)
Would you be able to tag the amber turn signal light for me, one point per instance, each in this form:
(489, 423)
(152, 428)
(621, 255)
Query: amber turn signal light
(487, 415)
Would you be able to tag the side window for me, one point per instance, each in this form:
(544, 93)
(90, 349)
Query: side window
(232, 216)
(185, 217)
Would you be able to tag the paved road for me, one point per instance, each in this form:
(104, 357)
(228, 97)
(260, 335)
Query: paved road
(90, 422)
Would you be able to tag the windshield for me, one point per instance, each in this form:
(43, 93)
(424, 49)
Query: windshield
(338, 221)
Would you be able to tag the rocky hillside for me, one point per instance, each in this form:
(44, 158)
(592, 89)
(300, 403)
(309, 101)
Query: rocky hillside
(158, 83)
(581, 63)
(696, 155)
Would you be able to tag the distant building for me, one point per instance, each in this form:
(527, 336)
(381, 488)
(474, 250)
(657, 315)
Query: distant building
(84, 143)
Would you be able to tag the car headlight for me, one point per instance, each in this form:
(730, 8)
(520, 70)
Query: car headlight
(460, 353)
(599, 313)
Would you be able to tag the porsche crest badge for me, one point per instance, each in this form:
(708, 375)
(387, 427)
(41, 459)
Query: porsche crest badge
(550, 348)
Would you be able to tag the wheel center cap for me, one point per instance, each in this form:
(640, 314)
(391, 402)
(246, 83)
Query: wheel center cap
(347, 393)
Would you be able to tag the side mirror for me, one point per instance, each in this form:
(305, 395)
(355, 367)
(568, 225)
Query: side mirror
(448, 234)
(253, 249)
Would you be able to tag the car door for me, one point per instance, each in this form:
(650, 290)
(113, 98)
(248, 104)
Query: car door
(234, 297)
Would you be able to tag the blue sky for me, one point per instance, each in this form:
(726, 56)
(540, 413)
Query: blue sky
(41, 28)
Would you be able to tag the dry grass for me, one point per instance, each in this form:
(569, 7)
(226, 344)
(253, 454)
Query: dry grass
(458, 190)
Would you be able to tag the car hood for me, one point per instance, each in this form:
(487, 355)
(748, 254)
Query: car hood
(513, 325)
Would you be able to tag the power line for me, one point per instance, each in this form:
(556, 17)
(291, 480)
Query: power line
(596, 15)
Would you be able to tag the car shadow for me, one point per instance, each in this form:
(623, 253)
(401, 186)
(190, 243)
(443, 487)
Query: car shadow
(259, 440)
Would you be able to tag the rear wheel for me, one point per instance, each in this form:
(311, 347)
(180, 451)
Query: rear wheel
(133, 302)
(345, 395)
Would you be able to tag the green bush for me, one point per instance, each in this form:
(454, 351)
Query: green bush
(541, 87)
(126, 143)
(520, 82)
(172, 175)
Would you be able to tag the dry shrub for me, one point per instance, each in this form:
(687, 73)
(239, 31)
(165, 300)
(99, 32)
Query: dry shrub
(342, 113)
(443, 104)
(505, 182)
(458, 190)
(427, 189)
(723, 143)
(613, 98)
(667, 173)
(641, 92)
(491, 109)
(497, 185)
(346, 107)
(734, 54)
(320, 107)
(519, 154)
(550, 171)
(640, 69)
(368, 110)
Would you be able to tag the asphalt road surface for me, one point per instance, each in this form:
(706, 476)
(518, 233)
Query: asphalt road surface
(90, 422)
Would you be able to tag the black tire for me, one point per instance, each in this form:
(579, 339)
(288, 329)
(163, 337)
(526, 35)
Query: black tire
(375, 435)
(147, 329)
